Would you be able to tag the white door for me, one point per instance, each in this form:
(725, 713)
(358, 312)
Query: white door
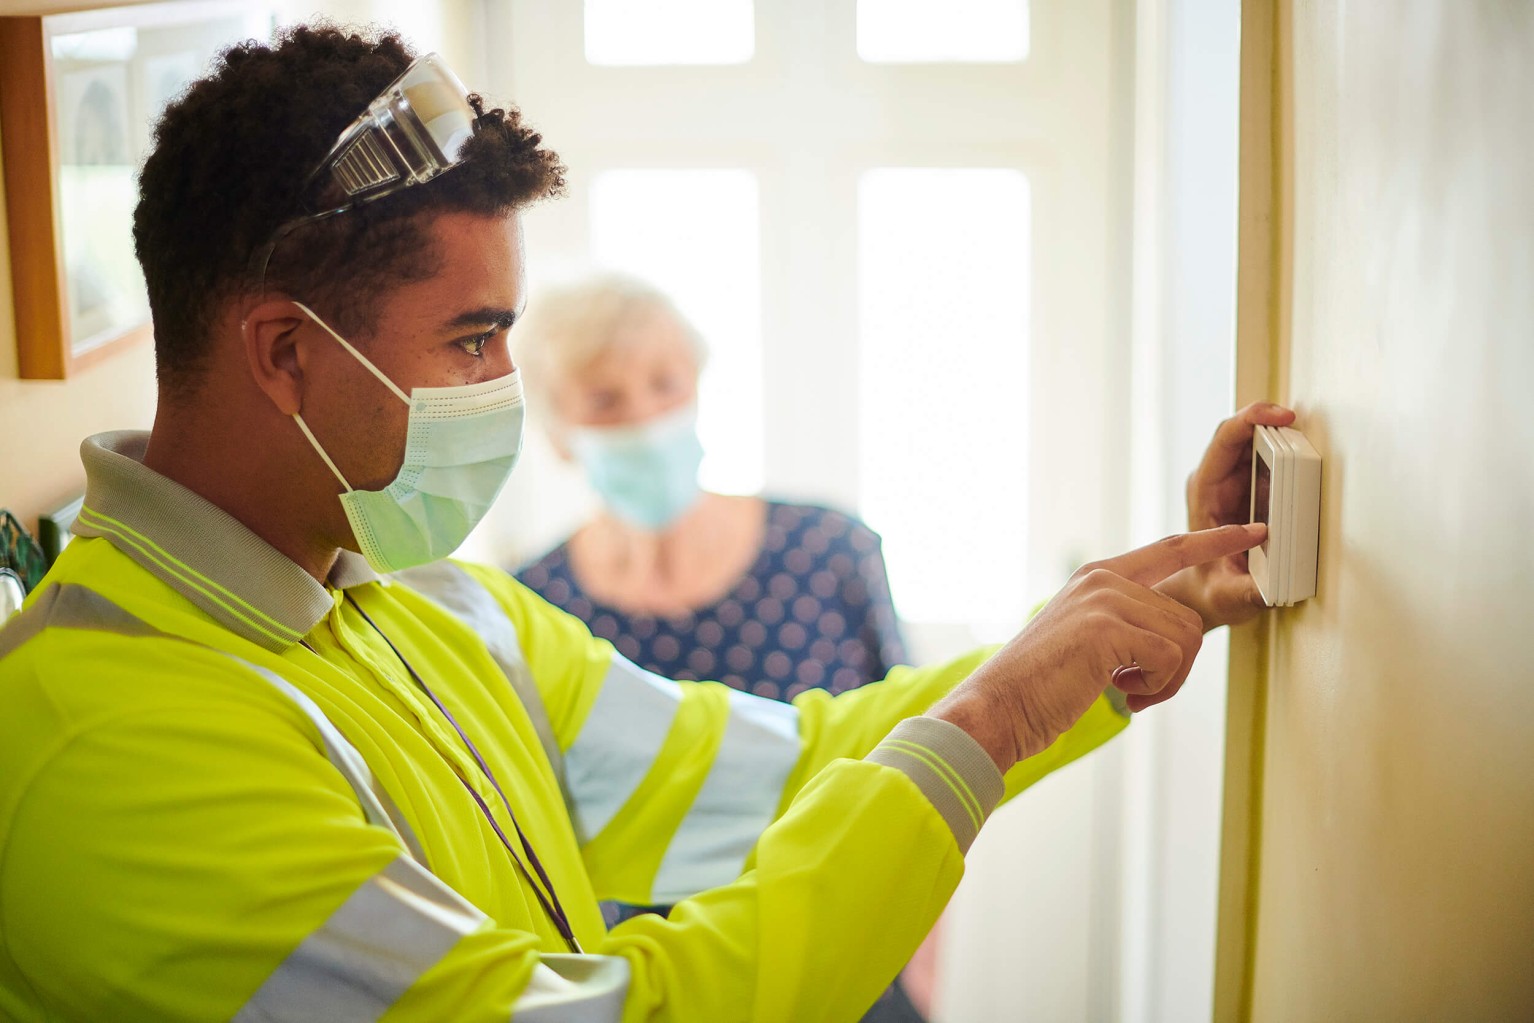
(903, 229)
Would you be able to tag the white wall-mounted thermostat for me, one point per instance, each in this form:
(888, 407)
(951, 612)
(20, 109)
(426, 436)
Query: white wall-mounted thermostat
(1286, 494)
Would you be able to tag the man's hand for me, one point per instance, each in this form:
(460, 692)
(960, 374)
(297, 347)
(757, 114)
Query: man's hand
(1222, 591)
(1107, 626)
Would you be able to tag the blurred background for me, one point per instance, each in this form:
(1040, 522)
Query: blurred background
(967, 270)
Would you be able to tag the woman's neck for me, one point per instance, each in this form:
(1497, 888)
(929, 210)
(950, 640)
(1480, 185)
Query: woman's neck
(686, 565)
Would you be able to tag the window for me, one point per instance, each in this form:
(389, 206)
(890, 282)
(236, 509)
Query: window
(920, 31)
(693, 233)
(634, 32)
(943, 302)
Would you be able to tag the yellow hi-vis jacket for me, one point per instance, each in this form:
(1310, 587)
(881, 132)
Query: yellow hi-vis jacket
(223, 796)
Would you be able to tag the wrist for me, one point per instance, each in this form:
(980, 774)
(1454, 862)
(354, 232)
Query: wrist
(975, 709)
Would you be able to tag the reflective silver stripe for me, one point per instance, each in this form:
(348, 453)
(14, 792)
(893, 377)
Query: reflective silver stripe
(574, 989)
(619, 740)
(69, 606)
(466, 598)
(736, 802)
(390, 931)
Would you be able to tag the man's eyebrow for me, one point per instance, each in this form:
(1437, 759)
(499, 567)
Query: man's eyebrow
(502, 318)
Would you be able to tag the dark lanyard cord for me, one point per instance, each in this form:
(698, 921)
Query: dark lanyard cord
(549, 901)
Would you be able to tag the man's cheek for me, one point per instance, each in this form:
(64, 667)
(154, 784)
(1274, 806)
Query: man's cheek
(381, 443)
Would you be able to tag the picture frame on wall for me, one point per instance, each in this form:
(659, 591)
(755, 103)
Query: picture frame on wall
(79, 95)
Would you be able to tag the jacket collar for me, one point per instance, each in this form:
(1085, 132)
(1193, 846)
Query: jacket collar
(200, 550)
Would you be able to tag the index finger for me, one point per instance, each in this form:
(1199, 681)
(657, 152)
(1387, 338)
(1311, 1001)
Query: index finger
(1233, 437)
(1154, 562)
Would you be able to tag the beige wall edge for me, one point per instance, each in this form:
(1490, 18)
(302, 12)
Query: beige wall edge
(1256, 316)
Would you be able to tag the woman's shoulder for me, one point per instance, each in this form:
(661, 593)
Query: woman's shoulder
(549, 569)
(835, 526)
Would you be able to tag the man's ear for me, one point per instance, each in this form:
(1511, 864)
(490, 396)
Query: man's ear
(270, 332)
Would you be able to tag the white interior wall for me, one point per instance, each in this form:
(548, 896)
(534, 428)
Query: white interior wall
(1153, 851)
(453, 28)
(1171, 760)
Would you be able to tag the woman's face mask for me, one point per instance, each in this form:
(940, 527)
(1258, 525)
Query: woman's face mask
(647, 474)
(460, 448)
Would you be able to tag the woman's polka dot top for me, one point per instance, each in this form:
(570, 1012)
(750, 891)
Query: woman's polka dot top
(814, 612)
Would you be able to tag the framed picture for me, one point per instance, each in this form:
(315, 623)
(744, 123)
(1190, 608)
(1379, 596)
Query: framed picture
(79, 96)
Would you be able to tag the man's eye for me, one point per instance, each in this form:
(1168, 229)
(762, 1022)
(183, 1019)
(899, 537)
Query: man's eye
(475, 346)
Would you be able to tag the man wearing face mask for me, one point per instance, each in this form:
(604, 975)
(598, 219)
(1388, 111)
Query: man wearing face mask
(265, 756)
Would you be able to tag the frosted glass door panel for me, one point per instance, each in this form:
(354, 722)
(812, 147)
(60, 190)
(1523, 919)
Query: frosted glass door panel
(943, 325)
(635, 32)
(695, 234)
(955, 31)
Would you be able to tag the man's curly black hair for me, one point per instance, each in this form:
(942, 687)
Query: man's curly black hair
(230, 161)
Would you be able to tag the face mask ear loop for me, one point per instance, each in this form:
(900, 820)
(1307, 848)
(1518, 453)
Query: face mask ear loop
(359, 357)
(316, 445)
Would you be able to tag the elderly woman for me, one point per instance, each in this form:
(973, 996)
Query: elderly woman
(766, 596)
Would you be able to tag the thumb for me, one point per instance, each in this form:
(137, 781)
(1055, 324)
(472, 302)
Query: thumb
(1239, 600)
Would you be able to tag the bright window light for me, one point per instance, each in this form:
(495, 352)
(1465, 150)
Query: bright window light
(630, 32)
(694, 234)
(943, 305)
(955, 31)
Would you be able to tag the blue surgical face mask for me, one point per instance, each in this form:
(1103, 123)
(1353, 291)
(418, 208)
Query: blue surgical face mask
(460, 448)
(646, 474)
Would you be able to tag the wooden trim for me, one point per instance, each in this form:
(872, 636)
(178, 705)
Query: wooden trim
(1260, 262)
(35, 8)
(39, 282)
(29, 132)
(37, 269)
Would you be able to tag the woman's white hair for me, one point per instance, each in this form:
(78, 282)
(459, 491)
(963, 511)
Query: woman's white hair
(566, 326)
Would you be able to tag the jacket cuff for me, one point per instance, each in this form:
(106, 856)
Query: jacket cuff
(956, 775)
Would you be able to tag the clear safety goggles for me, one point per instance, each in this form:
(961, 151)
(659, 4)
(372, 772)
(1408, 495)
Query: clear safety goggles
(411, 132)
